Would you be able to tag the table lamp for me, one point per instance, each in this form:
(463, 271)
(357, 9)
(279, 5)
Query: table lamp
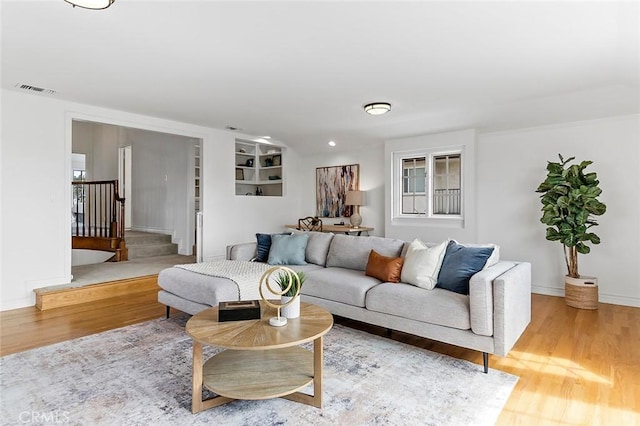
(355, 198)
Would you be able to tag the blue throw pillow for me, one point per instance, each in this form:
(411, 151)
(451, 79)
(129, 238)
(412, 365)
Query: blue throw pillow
(288, 249)
(460, 264)
(264, 244)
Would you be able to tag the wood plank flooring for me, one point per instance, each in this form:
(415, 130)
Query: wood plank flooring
(576, 367)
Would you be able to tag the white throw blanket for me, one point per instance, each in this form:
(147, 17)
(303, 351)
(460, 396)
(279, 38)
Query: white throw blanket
(246, 275)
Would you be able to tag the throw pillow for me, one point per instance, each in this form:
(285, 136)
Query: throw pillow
(384, 268)
(264, 244)
(460, 264)
(288, 249)
(422, 264)
(495, 255)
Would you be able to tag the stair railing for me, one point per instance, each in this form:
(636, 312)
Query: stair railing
(98, 212)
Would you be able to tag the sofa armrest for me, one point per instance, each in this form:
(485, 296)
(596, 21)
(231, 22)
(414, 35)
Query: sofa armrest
(511, 306)
(481, 297)
(244, 251)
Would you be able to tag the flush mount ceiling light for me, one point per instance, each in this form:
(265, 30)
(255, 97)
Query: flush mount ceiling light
(377, 108)
(91, 4)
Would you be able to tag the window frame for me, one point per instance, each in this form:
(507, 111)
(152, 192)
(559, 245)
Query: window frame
(398, 158)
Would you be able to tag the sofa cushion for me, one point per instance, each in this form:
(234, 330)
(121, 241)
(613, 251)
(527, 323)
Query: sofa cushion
(318, 246)
(422, 264)
(197, 287)
(339, 285)
(288, 249)
(460, 264)
(352, 252)
(386, 269)
(435, 306)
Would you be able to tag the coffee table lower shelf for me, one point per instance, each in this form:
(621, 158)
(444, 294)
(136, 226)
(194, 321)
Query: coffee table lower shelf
(258, 374)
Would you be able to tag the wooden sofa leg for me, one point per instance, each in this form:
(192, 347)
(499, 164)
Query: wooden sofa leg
(485, 360)
(168, 311)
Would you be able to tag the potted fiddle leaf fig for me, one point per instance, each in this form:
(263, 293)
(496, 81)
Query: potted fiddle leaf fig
(569, 206)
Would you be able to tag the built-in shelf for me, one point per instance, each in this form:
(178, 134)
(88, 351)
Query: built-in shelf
(255, 163)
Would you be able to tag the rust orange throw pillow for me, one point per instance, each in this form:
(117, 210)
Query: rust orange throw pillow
(384, 268)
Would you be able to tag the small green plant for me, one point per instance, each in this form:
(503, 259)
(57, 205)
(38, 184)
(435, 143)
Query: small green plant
(283, 279)
(569, 203)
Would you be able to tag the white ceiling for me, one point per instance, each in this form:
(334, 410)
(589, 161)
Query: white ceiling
(302, 71)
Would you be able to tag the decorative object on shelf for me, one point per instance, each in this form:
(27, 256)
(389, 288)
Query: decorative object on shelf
(277, 160)
(238, 310)
(377, 108)
(258, 190)
(274, 177)
(268, 162)
(292, 291)
(272, 151)
(91, 4)
(249, 162)
(569, 203)
(355, 198)
(239, 174)
(332, 184)
(242, 151)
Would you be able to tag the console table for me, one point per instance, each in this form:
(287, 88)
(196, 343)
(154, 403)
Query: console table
(347, 229)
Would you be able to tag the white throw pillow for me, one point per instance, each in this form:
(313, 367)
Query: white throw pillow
(422, 264)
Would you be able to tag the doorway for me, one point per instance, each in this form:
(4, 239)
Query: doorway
(124, 176)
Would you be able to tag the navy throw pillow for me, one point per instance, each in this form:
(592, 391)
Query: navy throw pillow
(264, 245)
(460, 264)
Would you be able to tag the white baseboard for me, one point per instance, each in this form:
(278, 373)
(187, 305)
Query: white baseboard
(602, 297)
(26, 302)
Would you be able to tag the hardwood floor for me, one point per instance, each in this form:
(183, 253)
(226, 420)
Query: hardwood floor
(575, 366)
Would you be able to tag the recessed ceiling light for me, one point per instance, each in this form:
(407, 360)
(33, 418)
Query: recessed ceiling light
(332, 143)
(377, 108)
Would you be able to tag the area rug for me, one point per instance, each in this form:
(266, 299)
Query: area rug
(141, 375)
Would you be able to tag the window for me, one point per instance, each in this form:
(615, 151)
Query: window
(431, 184)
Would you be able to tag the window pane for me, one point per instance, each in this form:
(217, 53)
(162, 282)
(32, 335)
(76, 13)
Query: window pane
(446, 184)
(413, 185)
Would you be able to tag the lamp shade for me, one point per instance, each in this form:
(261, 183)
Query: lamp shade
(91, 4)
(355, 198)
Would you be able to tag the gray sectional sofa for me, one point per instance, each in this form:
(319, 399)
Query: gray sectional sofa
(489, 319)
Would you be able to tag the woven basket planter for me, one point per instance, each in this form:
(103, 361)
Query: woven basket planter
(581, 292)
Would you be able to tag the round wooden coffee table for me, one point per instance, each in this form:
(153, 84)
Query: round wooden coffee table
(260, 361)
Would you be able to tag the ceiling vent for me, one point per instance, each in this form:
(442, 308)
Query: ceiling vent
(35, 89)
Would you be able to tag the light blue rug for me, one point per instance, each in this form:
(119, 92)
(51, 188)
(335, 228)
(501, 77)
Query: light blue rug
(141, 375)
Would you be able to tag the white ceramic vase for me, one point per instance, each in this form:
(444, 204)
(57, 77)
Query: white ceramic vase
(292, 310)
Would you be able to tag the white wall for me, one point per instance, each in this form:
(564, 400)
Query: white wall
(372, 181)
(162, 191)
(512, 164)
(231, 219)
(35, 173)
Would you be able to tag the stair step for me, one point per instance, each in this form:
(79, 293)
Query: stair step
(143, 238)
(137, 251)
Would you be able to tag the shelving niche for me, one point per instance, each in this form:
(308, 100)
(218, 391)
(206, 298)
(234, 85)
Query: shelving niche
(259, 169)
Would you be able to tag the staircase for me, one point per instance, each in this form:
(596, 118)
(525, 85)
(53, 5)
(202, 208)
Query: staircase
(147, 244)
